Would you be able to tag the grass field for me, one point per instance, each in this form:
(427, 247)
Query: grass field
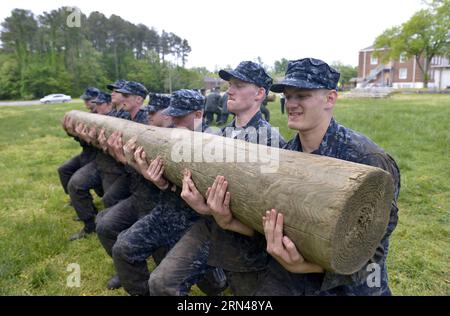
(34, 226)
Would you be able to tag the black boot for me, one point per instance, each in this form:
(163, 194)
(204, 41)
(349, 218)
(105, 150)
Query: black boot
(89, 228)
(114, 283)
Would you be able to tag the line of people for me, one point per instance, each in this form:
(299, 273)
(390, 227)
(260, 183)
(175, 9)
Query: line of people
(193, 239)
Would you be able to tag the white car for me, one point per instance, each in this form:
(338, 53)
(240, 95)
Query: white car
(56, 98)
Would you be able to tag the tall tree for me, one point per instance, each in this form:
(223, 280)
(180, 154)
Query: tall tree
(422, 37)
(164, 45)
(97, 31)
(18, 37)
(46, 54)
(347, 71)
(185, 50)
(280, 66)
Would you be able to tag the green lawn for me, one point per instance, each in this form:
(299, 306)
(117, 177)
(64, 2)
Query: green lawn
(34, 225)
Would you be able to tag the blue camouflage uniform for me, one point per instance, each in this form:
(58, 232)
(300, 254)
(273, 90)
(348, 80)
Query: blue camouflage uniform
(341, 143)
(206, 246)
(166, 223)
(144, 195)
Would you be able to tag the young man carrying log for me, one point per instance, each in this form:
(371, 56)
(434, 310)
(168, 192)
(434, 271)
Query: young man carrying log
(105, 170)
(114, 178)
(88, 177)
(88, 152)
(144, 195)
(170, 219)
(108, 178)
(218, 241)
(99, 102)
(310, 90)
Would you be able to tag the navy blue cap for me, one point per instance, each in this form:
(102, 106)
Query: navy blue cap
(183, 102)
(134, 88)
(308, 73)
(90, 93)
(158, 102)
(251, 72)
(118, 84)
(102, 98)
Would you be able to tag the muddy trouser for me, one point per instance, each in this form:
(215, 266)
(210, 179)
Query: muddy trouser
(187, 263)
(79, 186)
(121, 216)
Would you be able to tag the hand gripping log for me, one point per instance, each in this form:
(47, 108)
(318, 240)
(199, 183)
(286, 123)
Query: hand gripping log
(336, 212)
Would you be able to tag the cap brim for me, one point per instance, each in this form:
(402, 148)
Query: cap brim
(124, 91)
(111, 87)
(227, 75)
(300, 84)
(278, 87)
(85, 97)
(171, 111)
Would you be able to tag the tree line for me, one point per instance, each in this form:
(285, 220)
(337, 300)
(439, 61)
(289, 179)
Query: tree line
(45, 54)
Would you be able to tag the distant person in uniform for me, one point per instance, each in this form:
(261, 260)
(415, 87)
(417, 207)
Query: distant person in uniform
(212, 106)
(224, 109)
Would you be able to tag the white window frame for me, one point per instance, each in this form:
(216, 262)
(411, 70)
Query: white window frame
(403, 73)
(373, 60)
(402, 58)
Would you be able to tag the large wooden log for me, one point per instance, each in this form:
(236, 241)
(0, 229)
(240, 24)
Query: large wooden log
(336, 212)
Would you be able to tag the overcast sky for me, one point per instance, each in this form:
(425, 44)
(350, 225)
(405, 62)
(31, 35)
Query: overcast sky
(226, 32)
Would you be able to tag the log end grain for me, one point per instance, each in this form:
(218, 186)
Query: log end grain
(363, 222)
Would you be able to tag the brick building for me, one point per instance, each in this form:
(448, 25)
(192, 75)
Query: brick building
(402, 73)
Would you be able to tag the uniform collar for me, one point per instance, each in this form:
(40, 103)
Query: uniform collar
(324, 144)
(254, 121)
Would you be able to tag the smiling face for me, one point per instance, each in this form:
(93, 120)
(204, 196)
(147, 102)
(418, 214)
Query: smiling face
(307, 109)
(243, 96)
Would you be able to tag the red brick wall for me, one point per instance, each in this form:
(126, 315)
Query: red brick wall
(395, 72)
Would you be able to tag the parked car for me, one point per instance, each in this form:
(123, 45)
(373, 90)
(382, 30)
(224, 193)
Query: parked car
(56, 98)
